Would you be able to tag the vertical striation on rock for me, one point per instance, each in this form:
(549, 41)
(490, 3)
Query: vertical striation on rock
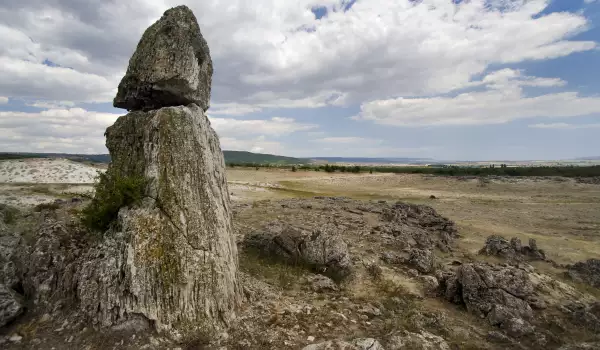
(172, 258)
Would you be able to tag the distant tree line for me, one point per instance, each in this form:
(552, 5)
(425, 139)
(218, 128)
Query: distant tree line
(446, 170)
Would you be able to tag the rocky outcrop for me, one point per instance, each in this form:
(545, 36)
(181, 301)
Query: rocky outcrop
(168, 260)
(173, 256)
(324, 251)
(171, 66)
(422, 260)
(417, 341)
(498, 293)
(11, 305)
(417, 226)
(586, 271)
(514, 250)
(356, 344)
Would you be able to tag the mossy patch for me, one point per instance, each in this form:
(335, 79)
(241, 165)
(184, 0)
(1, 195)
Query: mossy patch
(112, 193)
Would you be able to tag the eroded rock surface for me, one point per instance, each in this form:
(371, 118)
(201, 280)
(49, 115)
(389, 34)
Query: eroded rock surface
(498, 293)
(586, 271)
(514, 250)
(11, 305)
(322, 250)
(171, 66)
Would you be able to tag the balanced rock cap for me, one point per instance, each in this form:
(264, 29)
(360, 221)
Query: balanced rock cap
(171, 66)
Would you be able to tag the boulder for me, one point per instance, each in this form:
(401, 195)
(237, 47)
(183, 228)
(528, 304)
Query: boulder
(417, 226)
(484, 288)
(11, 305)
(320, 283)
(324, 251)
(417, 341)
(586, 271)
(171, 66)
(356, 344)
(496, 245)
(422, 260)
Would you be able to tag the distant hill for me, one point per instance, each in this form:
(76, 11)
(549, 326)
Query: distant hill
(259, 158)
(237, 157)
(373, 160)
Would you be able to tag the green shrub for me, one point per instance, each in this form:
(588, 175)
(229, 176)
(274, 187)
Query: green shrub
(112, 193)
(9, 213)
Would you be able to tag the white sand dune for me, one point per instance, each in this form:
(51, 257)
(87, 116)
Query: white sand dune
(46, 171)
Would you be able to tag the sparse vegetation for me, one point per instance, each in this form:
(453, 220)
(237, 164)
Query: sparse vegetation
(112, 192)
(9, 213)
(46, 206)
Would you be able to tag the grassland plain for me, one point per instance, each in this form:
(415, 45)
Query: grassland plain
(562, 214)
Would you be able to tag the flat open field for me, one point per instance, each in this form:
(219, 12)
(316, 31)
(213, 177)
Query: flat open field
(563, 215)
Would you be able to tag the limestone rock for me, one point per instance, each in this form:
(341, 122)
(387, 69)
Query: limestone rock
(10, 305)
(172, 258)
(356, 344)
(586, 271)
(320, 283)
(514, 250)
(171, 66)
(484, 288)
(422, 260)
(324, 251)
(417, 226)
(417, 341)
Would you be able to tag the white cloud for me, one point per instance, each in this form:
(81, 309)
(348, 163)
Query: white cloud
(275, 126)
(73, 130)
(3, 100)
(590, 1)
(52, 104)
(259, 145)
(502, 100)
(379, 49)
(564, 126)
(346, 140)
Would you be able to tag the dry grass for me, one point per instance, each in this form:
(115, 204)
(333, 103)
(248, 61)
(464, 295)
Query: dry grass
(564, 217)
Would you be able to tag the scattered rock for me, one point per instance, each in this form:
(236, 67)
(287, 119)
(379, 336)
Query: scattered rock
(422, 260)
(418, 226)
(584, 315)
(320, 283)
(10, 305)
(15, 338)
(513, 250)
(485, 288)
(356, 344)
(581, 346)
(417, 341)
(430, 284)
(171, 66)
(586, 271)
(324, 251)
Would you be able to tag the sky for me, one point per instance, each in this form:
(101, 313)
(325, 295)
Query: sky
(442, 79)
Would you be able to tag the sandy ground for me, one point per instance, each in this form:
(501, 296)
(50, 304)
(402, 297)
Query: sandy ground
(46, 171)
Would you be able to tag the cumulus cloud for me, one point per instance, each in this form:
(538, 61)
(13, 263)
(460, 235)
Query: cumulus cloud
(276, 53)
(502, 100)
(73, 130)
(3, 100)
(564, 126)
(275, 126)
(346, 140)
(259, 145)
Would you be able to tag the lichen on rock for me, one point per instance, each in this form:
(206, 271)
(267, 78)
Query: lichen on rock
(171, 66)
